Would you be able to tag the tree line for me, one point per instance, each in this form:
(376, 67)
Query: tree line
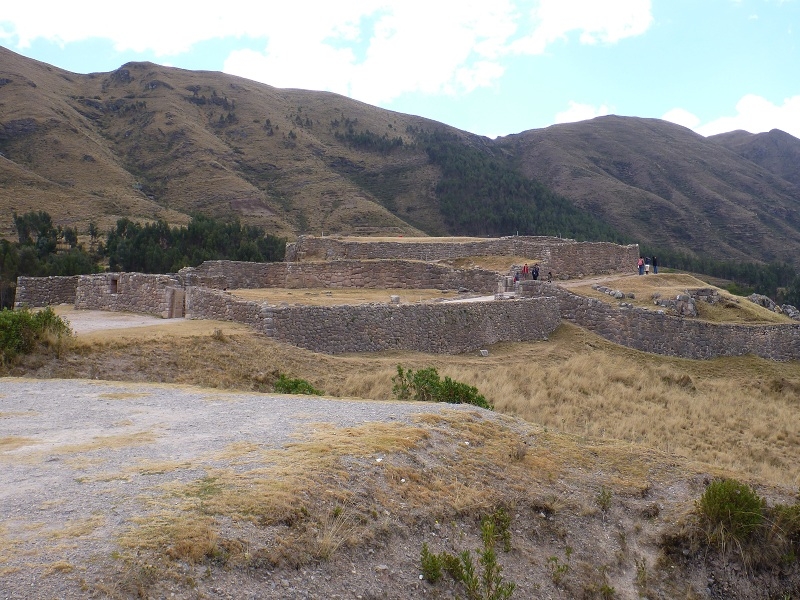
(44, 249)
(778, 280)
(480, 193)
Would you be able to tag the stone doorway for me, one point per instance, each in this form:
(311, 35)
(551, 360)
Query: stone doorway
(177, 305)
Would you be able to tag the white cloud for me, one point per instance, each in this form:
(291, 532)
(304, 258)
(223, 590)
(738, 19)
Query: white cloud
(756, 114)
(410, 46)
(580, 112)
(683, 117)
(608, 22)
(372, 50)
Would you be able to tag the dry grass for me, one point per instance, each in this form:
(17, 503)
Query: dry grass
(57, 567)
(334, 296)
(121, 395)
(14, 442)
(298, 489)
(78, 528)
(740, 413)
(501, 264)
(109, 442)
(354, 487)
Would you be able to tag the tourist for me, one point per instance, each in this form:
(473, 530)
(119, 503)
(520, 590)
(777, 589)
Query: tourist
(655, 265)
(525, 271)
(640, 265)
(535, 272)
(647, 266)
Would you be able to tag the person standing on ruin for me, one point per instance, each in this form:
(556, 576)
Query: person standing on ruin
(640, 265)
(525, 271)
(535, 272)
(655, 265)
(647, 266)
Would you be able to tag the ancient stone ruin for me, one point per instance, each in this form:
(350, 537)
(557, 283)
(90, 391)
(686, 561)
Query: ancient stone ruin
(491, 307)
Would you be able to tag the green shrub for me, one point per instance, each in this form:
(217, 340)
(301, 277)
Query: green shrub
(431, 565)
(786, 518)
(22, 330)
(286, 385)
(456, 392)
(730, 512)
(425, 385)
(487, 585)
(783, 532)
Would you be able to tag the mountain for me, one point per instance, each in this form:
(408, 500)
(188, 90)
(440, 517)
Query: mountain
(775, 150)
(666, 186)
(147, 141)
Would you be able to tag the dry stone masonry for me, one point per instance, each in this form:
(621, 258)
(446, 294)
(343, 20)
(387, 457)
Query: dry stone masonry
(564, 257)
(373, 274)
(443, 327)
(448, 327)
(669, 335)
(46, 291)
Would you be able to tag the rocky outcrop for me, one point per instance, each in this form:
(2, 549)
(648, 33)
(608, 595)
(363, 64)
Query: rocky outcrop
(784, 309)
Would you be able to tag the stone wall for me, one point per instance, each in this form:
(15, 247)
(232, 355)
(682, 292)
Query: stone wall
(206, 303)
(391, 274)
(160, 295)
(651, 331)
(444, 327)
(45, 291)
(448, 328)
(565, 258)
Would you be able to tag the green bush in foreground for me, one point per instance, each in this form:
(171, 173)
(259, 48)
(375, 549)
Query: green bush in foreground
(22, 330)
(286, 385)
(730, 512)
(425, 385)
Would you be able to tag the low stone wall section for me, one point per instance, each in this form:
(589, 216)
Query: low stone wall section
(45, 291)
(390, 274)
(448, 328)
(668, 335)
(160, 295)
(564, 257)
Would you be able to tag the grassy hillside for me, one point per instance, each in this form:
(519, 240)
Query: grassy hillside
(151, 142)
(666, 187)
(738, 413)
(154, 142)
(775, 150)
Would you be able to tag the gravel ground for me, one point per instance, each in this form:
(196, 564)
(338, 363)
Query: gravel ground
(88, 321)
(74, 458)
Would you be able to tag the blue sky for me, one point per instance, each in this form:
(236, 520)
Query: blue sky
(492, 67)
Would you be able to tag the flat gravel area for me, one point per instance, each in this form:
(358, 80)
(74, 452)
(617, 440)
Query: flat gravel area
(89, 321)
(79, 459)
